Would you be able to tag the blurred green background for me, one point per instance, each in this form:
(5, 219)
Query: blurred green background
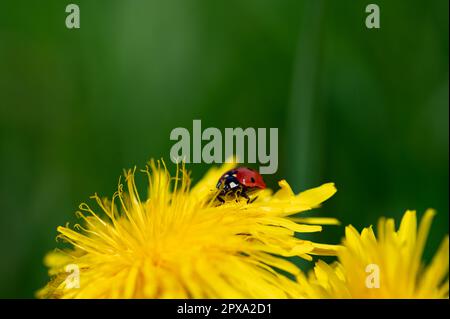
(367, 109)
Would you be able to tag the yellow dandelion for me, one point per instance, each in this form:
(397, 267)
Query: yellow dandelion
(179, 243)
(389, 266)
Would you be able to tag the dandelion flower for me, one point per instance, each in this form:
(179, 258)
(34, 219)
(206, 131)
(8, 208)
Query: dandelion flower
(177, 243)
(389, 266)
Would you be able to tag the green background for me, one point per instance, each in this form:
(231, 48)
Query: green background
(367, 109)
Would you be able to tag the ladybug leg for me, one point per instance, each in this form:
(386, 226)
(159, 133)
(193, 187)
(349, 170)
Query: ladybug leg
(244, 194)
(220, 199)
(237, 194)
(252, 200)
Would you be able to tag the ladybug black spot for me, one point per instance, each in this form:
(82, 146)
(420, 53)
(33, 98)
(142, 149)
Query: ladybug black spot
(252, 179)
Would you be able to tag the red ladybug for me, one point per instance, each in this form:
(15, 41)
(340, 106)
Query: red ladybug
(239, 181)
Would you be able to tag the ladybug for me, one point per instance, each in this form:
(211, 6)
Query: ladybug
(239, 181)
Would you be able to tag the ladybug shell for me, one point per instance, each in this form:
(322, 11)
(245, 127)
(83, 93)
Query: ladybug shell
(249, 177)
